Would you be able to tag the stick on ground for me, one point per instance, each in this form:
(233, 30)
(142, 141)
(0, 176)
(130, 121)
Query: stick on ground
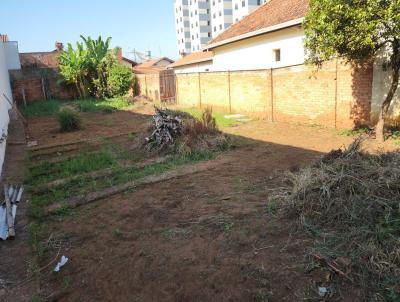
(10, 220)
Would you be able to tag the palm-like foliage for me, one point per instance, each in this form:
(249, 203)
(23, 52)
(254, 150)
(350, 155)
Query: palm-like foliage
(98, 53)
(73, 66)
(89, 67)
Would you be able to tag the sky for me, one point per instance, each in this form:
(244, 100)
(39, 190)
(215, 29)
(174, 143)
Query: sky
(133, 24)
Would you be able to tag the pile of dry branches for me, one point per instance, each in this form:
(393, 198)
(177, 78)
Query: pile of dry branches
(350, 201)
(167, 128)
(183, 134)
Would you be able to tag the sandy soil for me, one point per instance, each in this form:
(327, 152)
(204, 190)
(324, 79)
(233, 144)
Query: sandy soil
(202, 237)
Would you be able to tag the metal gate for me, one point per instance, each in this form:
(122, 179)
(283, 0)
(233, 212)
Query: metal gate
(168, 86)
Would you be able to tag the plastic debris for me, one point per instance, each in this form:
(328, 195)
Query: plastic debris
(63, 261)
(3, 221)
(322, 291)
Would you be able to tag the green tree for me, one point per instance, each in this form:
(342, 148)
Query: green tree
(94, 69)
(98, 53)
(74, 67)
(119, 80)
(359, 31)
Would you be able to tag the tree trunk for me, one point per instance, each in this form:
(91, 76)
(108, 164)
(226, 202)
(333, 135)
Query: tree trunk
(78, 89)
(380, 126)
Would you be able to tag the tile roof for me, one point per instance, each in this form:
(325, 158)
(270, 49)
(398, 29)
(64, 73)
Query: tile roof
(193, 58)
(39, 59)
(147, 70)
(153, 62)
(272, 13)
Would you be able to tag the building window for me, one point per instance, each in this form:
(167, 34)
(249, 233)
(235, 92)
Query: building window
(209, 34)
(243, 3)
(236, 6)
(220, 26)
(276, 55)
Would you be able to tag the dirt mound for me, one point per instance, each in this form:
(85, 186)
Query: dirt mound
(349, 202)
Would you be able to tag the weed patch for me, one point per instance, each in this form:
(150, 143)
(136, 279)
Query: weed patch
(354, 132)
(83, 185)
(82, 163)
(220, 119)
(52, 107)
(349, 204)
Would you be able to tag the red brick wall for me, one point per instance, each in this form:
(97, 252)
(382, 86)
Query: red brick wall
(337, 95)
(30, 81)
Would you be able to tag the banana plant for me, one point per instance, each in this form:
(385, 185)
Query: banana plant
(98, 51)
(74, 67)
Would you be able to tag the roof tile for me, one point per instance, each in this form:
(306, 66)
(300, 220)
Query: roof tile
(272, 13)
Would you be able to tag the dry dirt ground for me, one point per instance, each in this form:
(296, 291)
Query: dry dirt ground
(207, 236)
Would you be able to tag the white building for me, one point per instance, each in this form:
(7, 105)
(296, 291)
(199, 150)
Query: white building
(221, 16)
(198, 21)
(182, 26)
(241, 8)
(9, 59)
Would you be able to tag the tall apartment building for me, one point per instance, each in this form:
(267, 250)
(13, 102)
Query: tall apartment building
(182, 25)
(241, 8)
(221, 16)
(198, 21)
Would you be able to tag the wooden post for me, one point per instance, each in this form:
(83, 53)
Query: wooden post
(272, 94)
(23, 95)
(10, 219)
(145, 83)
(229, 91)
(336, 91)
(44, 90)
(199, 91)
(176, 89)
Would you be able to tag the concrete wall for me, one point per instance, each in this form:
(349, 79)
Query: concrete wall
(257, 52)
(381, 84)
(149, 86)
(8, 58)
(338, 95)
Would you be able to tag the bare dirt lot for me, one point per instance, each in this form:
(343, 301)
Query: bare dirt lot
(206, 236)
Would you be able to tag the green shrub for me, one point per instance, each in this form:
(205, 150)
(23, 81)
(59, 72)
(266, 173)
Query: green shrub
(69, 120)
(120, 80)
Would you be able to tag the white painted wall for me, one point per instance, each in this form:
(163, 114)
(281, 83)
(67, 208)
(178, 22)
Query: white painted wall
(9, 59)
(199, 67)
(380, 87)
(257, 53)
(4, 106)
(12, 55)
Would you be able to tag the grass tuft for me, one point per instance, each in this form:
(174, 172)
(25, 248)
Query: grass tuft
(69, 120)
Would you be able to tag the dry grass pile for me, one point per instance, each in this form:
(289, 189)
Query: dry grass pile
(350, 203)
(179, 132)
